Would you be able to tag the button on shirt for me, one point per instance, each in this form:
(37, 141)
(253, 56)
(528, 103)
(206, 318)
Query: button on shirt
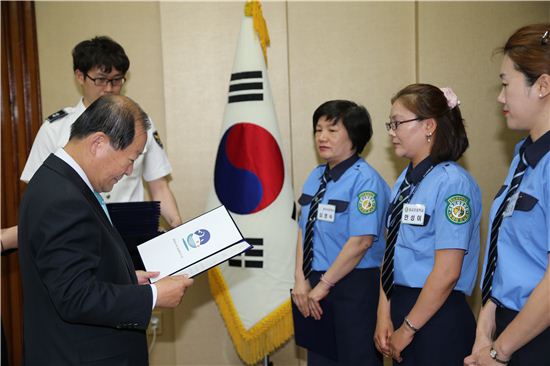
(360, 197)
(452, 202)
(524, 237)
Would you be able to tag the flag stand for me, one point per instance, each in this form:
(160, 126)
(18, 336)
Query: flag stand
(266, 361)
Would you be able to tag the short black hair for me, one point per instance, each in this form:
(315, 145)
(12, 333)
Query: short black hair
(101, 52)
(428, 101)
(114, 115)
(355, 118)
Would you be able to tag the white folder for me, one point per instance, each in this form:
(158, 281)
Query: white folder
(195, 246)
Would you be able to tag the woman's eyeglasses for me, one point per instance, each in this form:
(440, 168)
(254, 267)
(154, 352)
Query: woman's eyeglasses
(392, 125)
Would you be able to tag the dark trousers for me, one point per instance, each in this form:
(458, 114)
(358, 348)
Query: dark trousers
(354, 300)
(445, 340)
(534, 353)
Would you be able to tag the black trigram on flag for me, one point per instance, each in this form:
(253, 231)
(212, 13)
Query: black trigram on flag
(246, 86)
(252, 258)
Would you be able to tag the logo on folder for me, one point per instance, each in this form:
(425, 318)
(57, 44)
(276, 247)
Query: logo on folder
(196, 239)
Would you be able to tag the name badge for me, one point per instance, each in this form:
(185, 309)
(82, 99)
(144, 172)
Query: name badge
(413, 214)
(326, 212)
(511, 205)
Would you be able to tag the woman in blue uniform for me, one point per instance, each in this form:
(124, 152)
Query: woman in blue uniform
(341, 234)
(514, 321)
(432, 245)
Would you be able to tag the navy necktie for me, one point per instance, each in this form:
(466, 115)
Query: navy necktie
(493, 253)
(393, 229)
(311, 219)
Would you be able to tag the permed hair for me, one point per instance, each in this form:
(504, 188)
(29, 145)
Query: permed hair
(428, 101)
(354, 117)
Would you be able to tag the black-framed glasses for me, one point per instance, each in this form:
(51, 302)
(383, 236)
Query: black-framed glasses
(118, 81)
(392, 125)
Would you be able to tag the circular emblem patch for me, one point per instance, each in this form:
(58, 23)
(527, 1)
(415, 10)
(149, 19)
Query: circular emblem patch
(366, 202)
(458, 209)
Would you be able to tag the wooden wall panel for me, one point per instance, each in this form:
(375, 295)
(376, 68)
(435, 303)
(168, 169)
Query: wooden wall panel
(21, 118)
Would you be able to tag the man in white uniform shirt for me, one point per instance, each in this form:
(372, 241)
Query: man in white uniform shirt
(100, 65)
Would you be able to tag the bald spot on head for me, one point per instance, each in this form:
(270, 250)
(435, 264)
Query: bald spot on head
(116, 116)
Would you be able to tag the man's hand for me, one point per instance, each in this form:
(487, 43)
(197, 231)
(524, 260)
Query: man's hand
(170, 290)
(143, 277)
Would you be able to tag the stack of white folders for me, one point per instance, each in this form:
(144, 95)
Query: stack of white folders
(195, 246)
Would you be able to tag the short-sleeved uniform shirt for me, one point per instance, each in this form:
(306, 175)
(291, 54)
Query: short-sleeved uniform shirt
(55, 132)
(360, 198)
(524, 236)
(452, 202)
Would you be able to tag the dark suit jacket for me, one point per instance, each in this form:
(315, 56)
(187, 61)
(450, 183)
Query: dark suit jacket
(81, 300)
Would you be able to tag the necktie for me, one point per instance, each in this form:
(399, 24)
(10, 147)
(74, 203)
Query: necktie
(395, 221)
(311, 218)
(103, 205)
(492, 258)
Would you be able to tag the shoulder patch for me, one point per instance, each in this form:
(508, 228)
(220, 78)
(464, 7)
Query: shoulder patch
(157, 139)
(458, 209)
(57, 115)
(366, 202)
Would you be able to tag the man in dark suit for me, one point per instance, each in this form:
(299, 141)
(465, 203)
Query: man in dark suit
(84, 303)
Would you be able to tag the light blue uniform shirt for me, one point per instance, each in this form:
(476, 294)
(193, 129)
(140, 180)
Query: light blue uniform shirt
(360, 196)
(524, 237)
(452, 202)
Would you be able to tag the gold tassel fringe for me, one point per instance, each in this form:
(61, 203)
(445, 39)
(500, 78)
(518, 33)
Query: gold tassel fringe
(253, 9)
(264, 337)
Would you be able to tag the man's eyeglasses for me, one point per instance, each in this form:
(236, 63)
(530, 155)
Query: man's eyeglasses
(118, 81)
(392, 125)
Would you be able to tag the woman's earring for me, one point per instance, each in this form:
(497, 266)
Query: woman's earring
(429, 137)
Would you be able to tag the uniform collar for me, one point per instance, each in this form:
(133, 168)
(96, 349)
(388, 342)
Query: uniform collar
(339, 169)
(414, 176)
(534, 151)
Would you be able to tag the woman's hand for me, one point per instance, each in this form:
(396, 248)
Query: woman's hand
(482, 341)
(399, 340)
(486, 327)
(317, 294)
(300, 294)
(481, 358)
(382, 334)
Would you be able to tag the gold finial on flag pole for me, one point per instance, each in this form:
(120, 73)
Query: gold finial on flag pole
(253, 9)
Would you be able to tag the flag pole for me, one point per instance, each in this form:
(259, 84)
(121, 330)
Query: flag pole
(266, 361)
(250, 155)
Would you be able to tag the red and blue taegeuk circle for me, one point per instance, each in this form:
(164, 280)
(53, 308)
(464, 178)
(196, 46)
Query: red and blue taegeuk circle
(249, 170)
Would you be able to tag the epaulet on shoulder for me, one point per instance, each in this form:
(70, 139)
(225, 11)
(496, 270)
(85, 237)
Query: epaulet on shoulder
(57, 115)
(451, 170)
(362, 166)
